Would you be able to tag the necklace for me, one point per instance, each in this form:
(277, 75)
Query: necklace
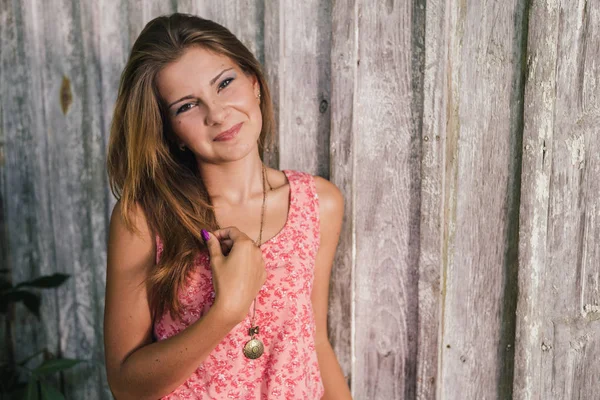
(254, 348)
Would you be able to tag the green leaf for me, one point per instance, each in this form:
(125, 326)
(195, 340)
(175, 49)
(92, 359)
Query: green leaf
(49, 393)
(45, 282)
(31, 300)
(55, 365)
(32, 390)
(37, 353)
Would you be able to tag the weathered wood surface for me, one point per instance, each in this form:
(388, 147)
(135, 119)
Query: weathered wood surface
(419, 111)
(479, 205)
(386, 201)
(432, 199)
(344, 59)
(558, 335)
(56, 195)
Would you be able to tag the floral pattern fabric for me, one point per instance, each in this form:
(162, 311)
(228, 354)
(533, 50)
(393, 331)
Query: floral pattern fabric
(288, 368)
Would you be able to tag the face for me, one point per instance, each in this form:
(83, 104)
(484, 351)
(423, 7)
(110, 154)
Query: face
(206, 95)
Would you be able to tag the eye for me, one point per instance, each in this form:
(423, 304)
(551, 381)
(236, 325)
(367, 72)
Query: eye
(184, 108)
(225, 83)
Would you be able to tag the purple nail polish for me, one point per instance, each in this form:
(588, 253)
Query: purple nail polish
(205, 235)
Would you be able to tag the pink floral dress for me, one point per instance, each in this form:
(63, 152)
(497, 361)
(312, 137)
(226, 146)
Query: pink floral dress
(288, 368)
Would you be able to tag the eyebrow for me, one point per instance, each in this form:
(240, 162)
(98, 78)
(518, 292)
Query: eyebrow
(212, 82)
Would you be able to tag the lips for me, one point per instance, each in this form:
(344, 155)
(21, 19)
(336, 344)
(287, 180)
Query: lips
(229, 133)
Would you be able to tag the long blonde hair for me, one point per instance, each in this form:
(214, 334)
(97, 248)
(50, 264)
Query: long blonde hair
(145, 166)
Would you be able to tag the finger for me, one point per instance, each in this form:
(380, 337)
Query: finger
(213, 245)
(231, 232)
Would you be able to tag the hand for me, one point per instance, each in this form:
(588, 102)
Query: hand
(237, 276)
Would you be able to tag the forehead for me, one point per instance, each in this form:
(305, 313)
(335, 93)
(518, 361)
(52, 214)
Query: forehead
(194, 69)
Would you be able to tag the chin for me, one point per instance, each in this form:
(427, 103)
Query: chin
(237, 151)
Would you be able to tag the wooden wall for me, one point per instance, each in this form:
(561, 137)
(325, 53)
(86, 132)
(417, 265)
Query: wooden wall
(558, 324)
(464, 136)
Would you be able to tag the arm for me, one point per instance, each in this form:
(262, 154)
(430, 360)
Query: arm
(137, 368)
(331, 212)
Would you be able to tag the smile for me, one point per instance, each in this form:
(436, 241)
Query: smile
(229, 133)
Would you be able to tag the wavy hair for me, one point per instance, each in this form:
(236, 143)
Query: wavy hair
(145, 166)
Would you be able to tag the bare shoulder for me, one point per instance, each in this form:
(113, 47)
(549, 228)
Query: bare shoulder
(130, 240)
(135, 221)
(331, 199)
(331, 212)
(276, 178)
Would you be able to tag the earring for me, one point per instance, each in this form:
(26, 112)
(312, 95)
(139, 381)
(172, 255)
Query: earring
(258, 95)
(182, 147)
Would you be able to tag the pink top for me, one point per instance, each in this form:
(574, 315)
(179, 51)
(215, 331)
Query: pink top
(288, 368)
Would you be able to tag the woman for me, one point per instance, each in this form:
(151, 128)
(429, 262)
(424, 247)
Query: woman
(194, 310)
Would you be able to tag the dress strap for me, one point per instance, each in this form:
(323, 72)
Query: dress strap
(306, 205)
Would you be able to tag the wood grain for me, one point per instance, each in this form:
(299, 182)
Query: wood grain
(301, 72)
(478, 199)
(386, 188)
(27, 206)
(432, 185)
(559, 321)
(538, 121)
(344, 60)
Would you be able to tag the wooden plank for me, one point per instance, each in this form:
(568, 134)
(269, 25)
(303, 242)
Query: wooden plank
(111, 46)
(244, 18)
(538, 120)
(25, 184)
(299, 71)
(387, 159)
(75, 153)
(479, 203)
(25, 210)
(6, 34)
(272, 42)
(8, 45)
(432, 187)
(140, 12)
(559, 318)
(344, 59)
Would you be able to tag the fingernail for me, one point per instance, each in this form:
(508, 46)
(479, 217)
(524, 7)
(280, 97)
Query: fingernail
(205, 235)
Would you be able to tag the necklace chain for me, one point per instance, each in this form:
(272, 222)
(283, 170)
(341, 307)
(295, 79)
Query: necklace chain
(253, 351)
(259, 241)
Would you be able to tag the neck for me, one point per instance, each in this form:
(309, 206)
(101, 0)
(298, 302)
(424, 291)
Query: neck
(235, 183)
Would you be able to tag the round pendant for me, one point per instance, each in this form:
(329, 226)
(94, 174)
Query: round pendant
(253, 348)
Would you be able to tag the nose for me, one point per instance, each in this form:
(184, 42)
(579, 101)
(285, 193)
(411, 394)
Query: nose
(216, 113)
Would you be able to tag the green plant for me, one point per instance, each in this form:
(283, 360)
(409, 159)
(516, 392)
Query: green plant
(36, 384)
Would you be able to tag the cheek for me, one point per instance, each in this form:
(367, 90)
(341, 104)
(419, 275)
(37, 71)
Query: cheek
(187, 126)
(242, 97)
(258, 116)
(251, 107)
